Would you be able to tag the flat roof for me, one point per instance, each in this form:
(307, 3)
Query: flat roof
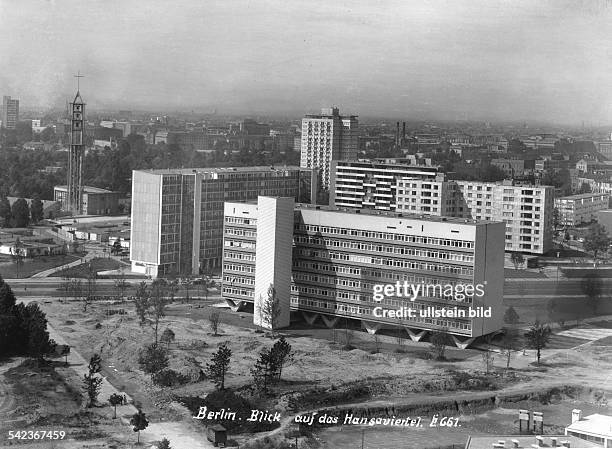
(593, 424)
(88, 189)
(581, 196)
(392, 214)
(375, 212)
(184, 171)
(525, 441)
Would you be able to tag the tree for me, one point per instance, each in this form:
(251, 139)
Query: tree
(537, 337)
(263, 371)
(121, 285)
(21, 213)
(584, 188)
(281, 355)
(438, 342)
(153, 358)
(556, 218)
(271, 310)
(139, 422)
(186, 283)
(91, 286)
(218, 366)
(164, 444)
(517, 260)
(487, 360)
(167, 337)
(36, 209)
(509, 344)
(116, 248)
(141, 301)
(596, 240)
(5, 211)
(65, 286)
(115, 400)
(510, 316)
(158, 303)
(213, 320)
(92, 382)
(592, 286)
(17, 255)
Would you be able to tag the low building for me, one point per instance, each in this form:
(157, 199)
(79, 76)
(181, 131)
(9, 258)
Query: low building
(575, 210)
(526, 442)
(593, 429)
(96, 201)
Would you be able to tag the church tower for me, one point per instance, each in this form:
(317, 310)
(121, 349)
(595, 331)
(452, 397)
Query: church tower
(74, 197)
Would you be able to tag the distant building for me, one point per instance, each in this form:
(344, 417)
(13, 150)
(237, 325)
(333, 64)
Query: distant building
(10, 112)
(95, 201)
(326, 137)
(386, 185)
(324, 263)
(514, 167)
(578, 209)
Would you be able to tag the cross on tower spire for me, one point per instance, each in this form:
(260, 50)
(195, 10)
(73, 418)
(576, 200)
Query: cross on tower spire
(78, 76)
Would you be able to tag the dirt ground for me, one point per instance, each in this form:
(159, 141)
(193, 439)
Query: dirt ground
(319, 362)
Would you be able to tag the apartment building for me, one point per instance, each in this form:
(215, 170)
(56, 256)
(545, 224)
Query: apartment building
(326, 137)
(10, 112)
(577, 209)
(338, 255)
(526, 210)
(372, 184)
(177, 214)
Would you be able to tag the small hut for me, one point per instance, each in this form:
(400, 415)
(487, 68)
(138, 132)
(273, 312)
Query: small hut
(217, 434)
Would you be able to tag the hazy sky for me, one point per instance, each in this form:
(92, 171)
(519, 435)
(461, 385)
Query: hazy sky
(457, 59)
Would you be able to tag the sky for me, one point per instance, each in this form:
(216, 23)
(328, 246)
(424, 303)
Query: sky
(515, 60)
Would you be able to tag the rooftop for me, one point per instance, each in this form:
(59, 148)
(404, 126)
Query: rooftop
(581, 196)
(186, 171)
(525, 442)
(87, 189)
(594, 424)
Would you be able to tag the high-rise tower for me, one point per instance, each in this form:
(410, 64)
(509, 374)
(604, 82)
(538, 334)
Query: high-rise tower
(74, 199)
(326, 137)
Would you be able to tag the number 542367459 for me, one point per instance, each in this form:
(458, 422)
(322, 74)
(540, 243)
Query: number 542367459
(36, 435)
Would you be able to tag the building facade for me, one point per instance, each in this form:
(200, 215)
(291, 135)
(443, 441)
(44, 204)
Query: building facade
(10, 112)
(326, 137)
(340, 256)
(177, 214)
(577, 209)
(526, 210)
(372, 184)
(94, 201)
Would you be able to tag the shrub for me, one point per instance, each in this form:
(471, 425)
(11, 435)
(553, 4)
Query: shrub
(169, 378)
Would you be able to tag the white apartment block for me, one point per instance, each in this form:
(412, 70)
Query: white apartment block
(326, 137)
(338, 255)
(372, 184)
(526, 210)
(577, 209)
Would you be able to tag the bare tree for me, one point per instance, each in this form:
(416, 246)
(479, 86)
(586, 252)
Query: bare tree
(509, 344)
(487, 360)
(438, 341)
(213, 321)
(141, 301)
(158, 303)
(121, 285)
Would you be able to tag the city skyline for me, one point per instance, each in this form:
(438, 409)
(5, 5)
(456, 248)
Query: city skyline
(499, 61)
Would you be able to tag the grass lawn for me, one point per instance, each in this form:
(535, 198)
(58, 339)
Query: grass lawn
(98, 264)
(9, 269)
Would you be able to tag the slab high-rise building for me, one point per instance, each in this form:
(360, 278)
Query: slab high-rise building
(177, 214)
(327, 137)
(340, 256)
(10, 112)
